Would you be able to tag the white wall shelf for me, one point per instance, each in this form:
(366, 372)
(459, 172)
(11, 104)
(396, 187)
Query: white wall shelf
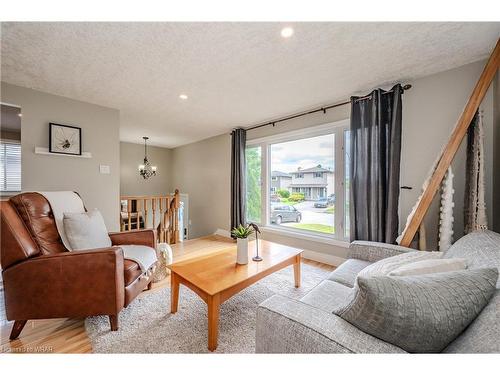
(45, 151)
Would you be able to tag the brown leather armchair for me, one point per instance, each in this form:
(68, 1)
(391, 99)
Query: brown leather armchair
(43, 280)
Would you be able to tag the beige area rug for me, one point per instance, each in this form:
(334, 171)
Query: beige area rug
(146, 326)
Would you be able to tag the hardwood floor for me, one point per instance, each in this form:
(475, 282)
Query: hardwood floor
(69, 335)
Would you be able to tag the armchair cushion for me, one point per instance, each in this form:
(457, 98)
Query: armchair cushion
(145, 237)
(131, 271)
(17, 243)
(37, 215)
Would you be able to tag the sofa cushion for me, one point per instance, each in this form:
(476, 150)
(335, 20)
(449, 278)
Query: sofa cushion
(131, 271)
(328, 295)
(480, 248)
(346, 273)
(421, 313)
(483, 334)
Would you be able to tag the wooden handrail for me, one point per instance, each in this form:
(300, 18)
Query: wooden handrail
(164, 211)
(454, 142)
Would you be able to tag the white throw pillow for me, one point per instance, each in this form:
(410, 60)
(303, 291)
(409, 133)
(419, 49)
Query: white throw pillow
(86, 230)
(385, 266)
(430, 266)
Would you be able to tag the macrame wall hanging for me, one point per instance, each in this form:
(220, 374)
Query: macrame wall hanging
(446, 212)
(474, 200)
(474, 196)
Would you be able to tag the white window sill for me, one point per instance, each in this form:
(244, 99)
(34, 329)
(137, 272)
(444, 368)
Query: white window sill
(305, 236)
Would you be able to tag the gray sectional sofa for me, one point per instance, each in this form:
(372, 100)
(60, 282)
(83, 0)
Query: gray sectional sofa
(308, 325)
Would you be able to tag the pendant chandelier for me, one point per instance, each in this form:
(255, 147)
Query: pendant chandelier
(146, 170)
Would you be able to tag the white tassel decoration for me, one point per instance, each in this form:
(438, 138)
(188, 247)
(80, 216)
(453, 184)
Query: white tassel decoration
(446, 212)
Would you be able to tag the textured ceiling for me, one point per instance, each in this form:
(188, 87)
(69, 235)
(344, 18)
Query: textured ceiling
(235, 74)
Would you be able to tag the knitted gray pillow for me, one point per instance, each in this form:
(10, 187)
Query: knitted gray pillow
(422, 313)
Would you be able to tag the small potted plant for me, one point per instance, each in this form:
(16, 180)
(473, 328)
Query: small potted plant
(241, 233)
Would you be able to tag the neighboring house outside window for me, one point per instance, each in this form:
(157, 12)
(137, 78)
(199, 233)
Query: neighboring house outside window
(280, 181)
(315, 183)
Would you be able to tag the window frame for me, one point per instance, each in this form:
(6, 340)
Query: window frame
(337, 128)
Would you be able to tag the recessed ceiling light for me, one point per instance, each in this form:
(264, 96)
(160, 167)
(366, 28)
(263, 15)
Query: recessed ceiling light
(286, 32)
(183, 96)
(20, 114)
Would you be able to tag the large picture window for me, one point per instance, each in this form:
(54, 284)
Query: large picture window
(298, 182)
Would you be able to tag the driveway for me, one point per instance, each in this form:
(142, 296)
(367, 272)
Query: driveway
(312, 215)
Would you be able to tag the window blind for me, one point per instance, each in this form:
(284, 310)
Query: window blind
(10, 166)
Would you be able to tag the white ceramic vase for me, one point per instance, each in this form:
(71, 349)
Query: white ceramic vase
(242, 250)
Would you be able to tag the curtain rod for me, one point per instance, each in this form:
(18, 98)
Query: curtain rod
(321, 109)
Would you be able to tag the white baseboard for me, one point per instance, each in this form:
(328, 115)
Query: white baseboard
(223, 233)
(323, 258)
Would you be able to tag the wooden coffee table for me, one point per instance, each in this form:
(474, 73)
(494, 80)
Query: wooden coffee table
(216, 277)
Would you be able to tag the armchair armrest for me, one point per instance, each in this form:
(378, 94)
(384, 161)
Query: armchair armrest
(285, 325)
(69, 284)
(145, 237)
(374, 251)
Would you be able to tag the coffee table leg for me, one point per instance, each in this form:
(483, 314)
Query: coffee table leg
(213, 303)
(296, 270)
(174, 293)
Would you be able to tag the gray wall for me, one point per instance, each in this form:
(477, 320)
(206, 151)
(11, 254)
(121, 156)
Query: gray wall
(131, 183)
(203, 170)
(100, 134)
(430, 110)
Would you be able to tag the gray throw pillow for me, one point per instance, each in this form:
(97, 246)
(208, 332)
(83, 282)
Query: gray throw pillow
(86, 230)
(420, 314)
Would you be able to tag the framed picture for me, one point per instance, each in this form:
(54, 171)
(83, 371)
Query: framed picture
(65, 139)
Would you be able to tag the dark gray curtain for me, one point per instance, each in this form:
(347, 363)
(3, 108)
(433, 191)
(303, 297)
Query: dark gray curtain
(238, 177)
(375, 161)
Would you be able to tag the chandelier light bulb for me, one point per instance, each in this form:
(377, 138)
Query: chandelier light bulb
(147, 170)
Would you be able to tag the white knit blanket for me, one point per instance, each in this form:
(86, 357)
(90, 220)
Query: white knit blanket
(69, 202)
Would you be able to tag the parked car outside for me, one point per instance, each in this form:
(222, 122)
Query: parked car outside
(283, 214)
(321, 203)
(325, 202)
